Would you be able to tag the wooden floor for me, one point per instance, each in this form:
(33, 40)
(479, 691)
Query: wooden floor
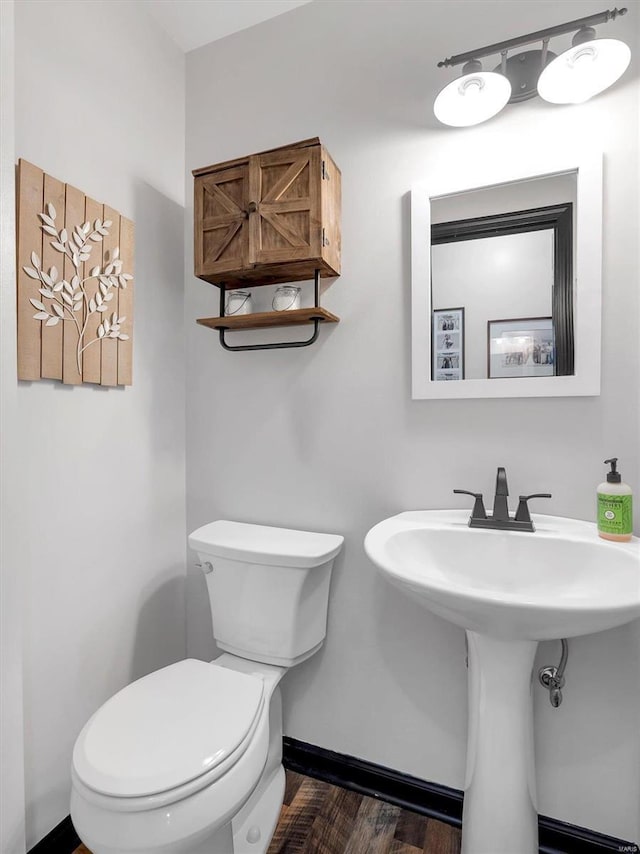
(317, 818)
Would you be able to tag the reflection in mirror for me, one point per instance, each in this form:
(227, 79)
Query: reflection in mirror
(506, 303)
(509, 273)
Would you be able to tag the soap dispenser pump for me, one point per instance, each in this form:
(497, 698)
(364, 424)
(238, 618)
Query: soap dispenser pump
(615, 511)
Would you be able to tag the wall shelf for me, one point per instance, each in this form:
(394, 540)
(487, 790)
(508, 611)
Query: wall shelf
(267, 219)
(270, 319)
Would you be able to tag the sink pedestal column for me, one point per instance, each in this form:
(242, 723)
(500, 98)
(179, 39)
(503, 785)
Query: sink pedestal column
(500, 809)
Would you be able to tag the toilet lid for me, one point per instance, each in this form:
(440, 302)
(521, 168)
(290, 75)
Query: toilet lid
(167, 729)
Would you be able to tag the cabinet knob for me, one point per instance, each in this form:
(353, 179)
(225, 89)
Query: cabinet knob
(253, 207)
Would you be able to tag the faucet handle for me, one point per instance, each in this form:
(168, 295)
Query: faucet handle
(478, 511)
(522, 513)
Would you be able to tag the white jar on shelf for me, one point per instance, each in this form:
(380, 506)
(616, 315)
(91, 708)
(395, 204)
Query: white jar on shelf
(286, 298)
(238, 302)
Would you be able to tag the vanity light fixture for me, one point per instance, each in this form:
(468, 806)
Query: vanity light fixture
(589, 67)
(473, 98)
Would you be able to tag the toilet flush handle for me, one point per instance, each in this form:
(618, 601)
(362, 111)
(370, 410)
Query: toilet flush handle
(206, 567)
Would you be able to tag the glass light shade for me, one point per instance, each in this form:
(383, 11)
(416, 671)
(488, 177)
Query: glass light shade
(583, 71)
(472, 99)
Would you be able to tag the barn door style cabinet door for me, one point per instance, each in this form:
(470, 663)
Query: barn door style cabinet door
(266, 219)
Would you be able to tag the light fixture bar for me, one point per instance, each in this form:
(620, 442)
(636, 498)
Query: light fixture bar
(531, 38)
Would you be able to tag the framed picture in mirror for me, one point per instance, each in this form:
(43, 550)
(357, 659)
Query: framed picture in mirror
(520, 347)
(447, 359)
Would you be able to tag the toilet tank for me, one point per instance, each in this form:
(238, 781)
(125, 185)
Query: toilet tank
(268, 588)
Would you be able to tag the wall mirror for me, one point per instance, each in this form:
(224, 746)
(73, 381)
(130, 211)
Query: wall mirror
(506, 283)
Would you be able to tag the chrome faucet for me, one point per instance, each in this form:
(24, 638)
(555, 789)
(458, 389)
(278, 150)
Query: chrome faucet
(500, 519)
(500, 503)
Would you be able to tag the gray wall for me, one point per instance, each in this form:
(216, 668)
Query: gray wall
(100, 104)
(328, 438)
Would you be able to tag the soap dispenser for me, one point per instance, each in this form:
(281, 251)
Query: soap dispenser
(615, 512)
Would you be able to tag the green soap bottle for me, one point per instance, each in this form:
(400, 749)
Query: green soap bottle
(615, 508)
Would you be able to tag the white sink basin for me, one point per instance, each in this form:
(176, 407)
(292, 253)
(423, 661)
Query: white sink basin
(509, 590)
(563, 580)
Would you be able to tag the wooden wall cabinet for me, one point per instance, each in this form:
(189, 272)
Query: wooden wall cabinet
(268, 218)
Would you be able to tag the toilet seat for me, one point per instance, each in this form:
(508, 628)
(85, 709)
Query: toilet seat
(168, 734)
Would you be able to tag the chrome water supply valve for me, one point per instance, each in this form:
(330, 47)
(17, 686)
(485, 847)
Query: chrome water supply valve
(552, 678)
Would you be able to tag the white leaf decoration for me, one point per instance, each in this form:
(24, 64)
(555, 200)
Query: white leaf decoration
(107, 223)
(121, 319)
(68, 298)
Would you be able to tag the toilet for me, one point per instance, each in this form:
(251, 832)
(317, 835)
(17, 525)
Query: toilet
(188, 760)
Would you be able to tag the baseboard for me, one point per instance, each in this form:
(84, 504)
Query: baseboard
(411, 793)
(63, 839)
(431, 799)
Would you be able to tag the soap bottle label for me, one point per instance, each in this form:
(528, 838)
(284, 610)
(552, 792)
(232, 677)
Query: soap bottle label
(615, 515)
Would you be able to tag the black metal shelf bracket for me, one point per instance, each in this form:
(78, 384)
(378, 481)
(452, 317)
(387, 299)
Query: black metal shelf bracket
(280, 345)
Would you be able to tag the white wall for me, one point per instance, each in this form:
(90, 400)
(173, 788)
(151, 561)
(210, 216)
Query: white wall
(494, 278)
(100, 104)
(328, 438)
(12, 831)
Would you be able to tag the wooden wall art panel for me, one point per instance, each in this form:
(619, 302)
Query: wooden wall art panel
(75, 284)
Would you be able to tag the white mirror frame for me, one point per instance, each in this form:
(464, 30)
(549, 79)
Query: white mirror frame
(587, 285)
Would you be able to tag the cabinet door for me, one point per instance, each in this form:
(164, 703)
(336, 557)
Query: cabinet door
(284, 205)
(221, 222)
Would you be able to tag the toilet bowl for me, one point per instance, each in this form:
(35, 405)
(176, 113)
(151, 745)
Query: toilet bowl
(188, 760)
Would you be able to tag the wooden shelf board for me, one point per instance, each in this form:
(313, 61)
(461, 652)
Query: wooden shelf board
(269, 319)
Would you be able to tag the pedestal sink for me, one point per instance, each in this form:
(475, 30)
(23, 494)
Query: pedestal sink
(508, 590)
